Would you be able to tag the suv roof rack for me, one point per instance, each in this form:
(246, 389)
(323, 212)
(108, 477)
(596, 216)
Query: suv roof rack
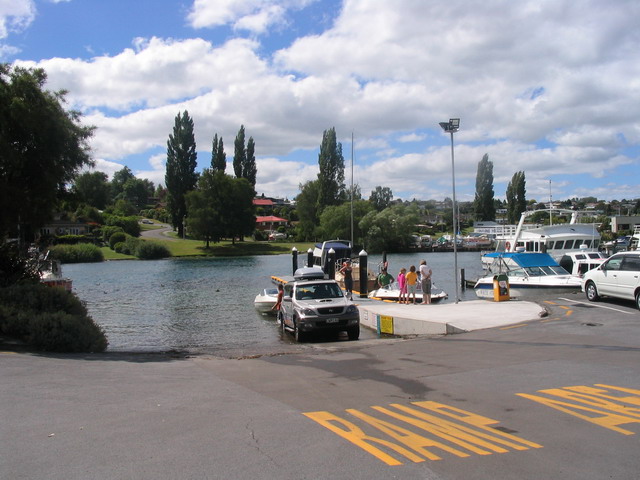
(309, 273)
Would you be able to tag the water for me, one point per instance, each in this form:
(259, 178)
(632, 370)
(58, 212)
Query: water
(206, 304)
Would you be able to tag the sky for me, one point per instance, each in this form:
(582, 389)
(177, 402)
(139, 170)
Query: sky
(547, 87)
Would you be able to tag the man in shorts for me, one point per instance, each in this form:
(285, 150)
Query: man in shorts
(425, 276)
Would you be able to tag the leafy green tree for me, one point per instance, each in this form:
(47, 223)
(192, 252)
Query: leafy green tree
(381, 198)
(516, 201)
(331, 174)
(250, 170)
(307, 211)
(335, 221)
(483, 205)
(118, 181)
(42, 148)
(93, 189)
(136, 192)
(222, 206)
(180, 176)
(390, 229)
(218, 157)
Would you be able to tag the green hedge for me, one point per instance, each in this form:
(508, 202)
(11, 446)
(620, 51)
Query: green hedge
(80, 253)
(49, 319)
(151, 251)
(117, 237)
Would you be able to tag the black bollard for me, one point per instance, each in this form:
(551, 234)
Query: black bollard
(463, 282)
(294, 255)
(310, 258)
(364, 287)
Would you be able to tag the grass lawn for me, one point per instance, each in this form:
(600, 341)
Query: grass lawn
(195, 248)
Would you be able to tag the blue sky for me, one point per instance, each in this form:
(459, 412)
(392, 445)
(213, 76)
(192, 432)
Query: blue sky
(546, 87)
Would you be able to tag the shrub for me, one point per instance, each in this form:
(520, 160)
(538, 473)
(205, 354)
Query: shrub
(70, 239)
(131, 245)
(14, 267)
(151, 251)
(80, 253)
(120, 248)
(109, 230)
(117, 237)
(130, 224)
(49, 319)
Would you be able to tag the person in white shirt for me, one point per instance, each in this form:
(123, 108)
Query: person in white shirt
(425, 276)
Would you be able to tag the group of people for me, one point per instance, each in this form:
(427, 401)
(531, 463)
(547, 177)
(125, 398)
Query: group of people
(408, 282)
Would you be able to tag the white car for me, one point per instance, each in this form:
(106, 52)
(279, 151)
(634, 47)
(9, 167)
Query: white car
(618, 276)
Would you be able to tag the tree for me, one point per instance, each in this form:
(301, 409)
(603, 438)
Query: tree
(222, 206)
(218, 157)
(381, 198)
(516, 201)
(180, 176)
(136, 192)
(483, 205)
(244, 159)
(93, 189)
(390, 229)
(331, 175)
(307, 210)
(118, 181)
(42, 148)
(335, 221)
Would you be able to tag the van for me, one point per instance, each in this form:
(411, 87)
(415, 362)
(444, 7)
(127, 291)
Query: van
(618, 277)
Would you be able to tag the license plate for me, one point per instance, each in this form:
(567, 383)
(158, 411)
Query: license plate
(332, 320)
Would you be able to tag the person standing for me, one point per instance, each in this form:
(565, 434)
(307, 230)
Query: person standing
(425, 276)
(347, 275)
(412, 283)
(384, 279)
(402, 285)
(277, 306)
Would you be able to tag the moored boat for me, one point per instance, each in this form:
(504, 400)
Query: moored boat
(528, 273)
(391, 293)
(265, 300)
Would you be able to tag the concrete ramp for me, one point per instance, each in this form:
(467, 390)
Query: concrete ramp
(444, 318)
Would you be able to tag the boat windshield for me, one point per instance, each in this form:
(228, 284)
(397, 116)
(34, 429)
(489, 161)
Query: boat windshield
(545, 270)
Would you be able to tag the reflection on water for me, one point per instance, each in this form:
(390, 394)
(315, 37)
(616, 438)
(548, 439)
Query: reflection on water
(206, 304)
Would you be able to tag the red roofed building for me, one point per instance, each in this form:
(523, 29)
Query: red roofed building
(270, 222)
(263, 202)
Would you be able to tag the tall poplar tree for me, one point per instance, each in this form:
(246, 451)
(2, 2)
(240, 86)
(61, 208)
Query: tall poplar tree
(218, 157)
(331, 175)
(483, 205)
(244, 159)
(516, 200)
(180, 176)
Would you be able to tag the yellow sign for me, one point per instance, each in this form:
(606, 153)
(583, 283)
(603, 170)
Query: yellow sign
(386, 324)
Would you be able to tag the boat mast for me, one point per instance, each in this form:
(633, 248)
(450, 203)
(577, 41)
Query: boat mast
(550, 205)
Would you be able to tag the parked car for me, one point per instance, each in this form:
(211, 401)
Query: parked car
(313, 304)
(277, 236)
(618, 276)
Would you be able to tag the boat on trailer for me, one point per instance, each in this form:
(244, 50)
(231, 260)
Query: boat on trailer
(528, 273)
(265, 301)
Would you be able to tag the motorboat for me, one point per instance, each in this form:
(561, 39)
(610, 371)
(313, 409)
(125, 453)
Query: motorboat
(391, 293)
(556, 240)
(528, 273)
(265, 301)
(50, 271)
(579, 263)
(342, 251)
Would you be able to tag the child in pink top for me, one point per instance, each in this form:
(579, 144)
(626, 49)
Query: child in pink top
(402, 283)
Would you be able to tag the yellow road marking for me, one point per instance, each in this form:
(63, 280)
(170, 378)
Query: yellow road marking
(514, 326)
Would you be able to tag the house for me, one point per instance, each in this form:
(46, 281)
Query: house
(58, 226)
(270, 222)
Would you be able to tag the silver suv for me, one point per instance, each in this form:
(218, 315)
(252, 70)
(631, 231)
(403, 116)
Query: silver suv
(312, 304)
(618, 276)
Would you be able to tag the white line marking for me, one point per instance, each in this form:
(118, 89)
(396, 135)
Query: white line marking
(597, 306)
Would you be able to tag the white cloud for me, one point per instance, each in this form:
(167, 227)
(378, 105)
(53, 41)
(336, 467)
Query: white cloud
(547, 88)
(15, 15)
(256, 16)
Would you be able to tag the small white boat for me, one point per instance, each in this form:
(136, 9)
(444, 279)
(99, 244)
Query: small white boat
(265, 301)
(579, 263)
(51, 274)
(391, 293)
(528, 273)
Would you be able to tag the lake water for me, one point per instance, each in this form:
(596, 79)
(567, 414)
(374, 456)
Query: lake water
(205, 305)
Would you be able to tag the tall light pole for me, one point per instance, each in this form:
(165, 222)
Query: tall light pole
(452, 126)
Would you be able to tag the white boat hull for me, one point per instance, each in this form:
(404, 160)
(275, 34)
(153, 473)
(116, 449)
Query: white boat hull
(265, 301)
